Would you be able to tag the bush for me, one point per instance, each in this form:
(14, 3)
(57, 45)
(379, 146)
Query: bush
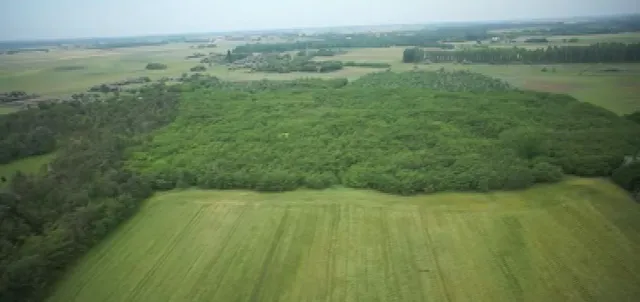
(635, 117)
(627, 176)
(536, 40)
(320, 180)
(156, 66)
(545, 172)
(367, 64)
(198, 68)
(69, 68)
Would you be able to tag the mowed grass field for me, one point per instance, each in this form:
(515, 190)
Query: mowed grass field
(574, 241)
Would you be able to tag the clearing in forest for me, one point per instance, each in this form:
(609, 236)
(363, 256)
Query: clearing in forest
(573, 241)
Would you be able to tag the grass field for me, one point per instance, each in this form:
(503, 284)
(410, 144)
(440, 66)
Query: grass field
(27, 165)
(574, 241)
(36, 72)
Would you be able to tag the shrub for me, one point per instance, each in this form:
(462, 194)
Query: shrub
(546, 172)
(627, 176)
(69, 68)
(156, 66)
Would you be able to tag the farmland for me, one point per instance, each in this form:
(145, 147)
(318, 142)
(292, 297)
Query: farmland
(548, 243)
(40, 72)
(436, 163)
(37, 73)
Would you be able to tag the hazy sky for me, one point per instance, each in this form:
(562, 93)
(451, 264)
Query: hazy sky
(26, 19)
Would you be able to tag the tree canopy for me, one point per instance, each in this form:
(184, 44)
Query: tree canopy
(398, 133)
(595, 53)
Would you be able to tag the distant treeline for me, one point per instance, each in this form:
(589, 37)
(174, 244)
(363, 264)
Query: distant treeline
(367, 64)
(15, 96)
(601, 25)
(348, 41)
(15, 51)
(596, 53)
(69, 67)
(126, 44)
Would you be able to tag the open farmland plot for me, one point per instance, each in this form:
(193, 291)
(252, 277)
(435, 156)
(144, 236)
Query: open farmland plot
(548, 243)
(45, 74)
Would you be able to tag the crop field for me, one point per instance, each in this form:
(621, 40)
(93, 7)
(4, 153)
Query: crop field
(548, 243)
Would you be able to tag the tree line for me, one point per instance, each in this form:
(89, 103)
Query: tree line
(48, 220)
(347, 41)
(595, 53)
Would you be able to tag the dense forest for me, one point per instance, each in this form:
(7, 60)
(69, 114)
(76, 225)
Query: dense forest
(599, 25)
(411, 135)
(407, 133)
(48, 220)
(595, 53)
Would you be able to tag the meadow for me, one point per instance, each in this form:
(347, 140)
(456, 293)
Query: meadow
(61, 72)
(547, 243)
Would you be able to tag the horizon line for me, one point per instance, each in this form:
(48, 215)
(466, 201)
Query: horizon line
(269, 30)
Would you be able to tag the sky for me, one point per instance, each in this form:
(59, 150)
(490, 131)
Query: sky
(52, 19)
